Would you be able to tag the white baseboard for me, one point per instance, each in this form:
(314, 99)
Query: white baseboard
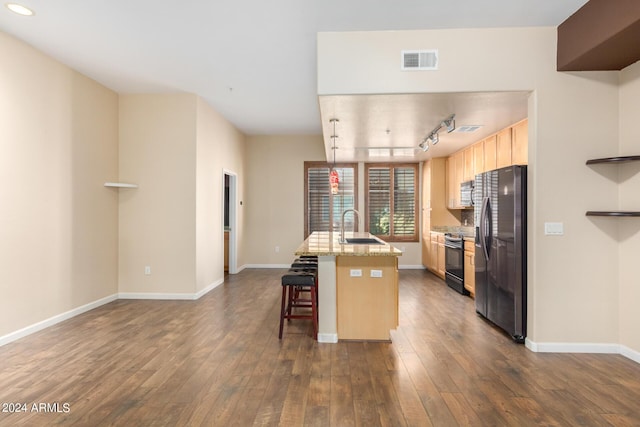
(209, 288)
(410, 267)
(155, 296)
(630, 354)
(595, 348)
(328, 338)
(170, 296)
(20, 333)
(268, 265)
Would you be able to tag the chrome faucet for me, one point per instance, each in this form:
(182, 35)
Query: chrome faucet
(356, 214)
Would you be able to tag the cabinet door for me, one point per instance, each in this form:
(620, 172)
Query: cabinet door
(441, 266)
(451, 178)
(490, 153)
(478, 158)
(469, 169)
(455, 173)
(459, 175)
(503, 148)
(469, 272)
(520, 143)
(433, 256)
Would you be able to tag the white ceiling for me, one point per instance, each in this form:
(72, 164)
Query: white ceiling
(254, 61)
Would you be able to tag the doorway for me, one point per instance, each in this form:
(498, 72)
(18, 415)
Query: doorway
(229, 219)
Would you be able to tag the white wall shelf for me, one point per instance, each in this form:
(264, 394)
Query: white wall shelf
(120, 185)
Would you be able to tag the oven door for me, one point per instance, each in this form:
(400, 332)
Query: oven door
(454, 260)
(454, 265)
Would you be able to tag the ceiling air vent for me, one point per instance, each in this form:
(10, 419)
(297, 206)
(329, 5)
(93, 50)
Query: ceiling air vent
(468, 128)
(420, 59)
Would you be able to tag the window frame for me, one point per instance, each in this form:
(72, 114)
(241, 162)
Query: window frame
(317, 164)
(416, 191)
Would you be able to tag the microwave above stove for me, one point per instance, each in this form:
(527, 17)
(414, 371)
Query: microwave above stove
(466, 194)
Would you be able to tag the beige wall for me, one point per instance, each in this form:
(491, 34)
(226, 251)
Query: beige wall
(275, 195)
(629, 229)
(175, 147)
(220, 147)
(58, 223)
(574, 278)
(157, 220)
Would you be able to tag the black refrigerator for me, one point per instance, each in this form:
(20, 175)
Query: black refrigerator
(500, 214)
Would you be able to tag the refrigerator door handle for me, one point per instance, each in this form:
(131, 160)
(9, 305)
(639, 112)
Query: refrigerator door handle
(484, 227)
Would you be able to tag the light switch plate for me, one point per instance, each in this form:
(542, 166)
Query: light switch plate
(376, 273)
(553, 228)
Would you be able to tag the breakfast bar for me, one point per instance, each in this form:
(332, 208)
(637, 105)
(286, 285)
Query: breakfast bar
(357, 286)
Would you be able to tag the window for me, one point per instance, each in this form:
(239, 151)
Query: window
(322, 209)
(391, 201)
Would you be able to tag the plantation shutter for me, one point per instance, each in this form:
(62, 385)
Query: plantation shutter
(379, 201)
(404, 202)
(391, 201)
(322, 209)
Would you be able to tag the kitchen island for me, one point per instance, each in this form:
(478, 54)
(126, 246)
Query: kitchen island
(357, 287)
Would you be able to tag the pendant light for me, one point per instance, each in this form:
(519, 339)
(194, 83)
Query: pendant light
(334, 178)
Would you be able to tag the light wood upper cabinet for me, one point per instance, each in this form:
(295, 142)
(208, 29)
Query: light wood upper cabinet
(455, 174)
(520, 143)
(478, 157)
(451, 179)
(490, 153)
(469, 169)
(459, 174)
(503, 148)
(426, 212)
(434, 205)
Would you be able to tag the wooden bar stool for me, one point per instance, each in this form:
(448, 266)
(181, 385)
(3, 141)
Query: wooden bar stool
(292, 282)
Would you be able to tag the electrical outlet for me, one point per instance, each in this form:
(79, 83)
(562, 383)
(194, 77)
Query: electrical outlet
(376, 273)
(355, 272)
(147, 270)
(277, 249)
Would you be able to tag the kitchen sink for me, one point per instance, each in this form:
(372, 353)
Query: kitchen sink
(363, 241)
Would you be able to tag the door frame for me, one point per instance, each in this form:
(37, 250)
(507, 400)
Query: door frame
(233, 218)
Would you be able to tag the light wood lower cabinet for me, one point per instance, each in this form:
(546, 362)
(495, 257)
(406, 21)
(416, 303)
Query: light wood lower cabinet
(367, 307)
(469, 267)
(441, 259)
(436, 254)
(433, 255)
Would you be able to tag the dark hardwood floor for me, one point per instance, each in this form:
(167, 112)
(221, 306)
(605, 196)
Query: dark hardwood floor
(218, 362)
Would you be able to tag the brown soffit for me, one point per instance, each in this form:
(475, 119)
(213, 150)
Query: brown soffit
(601, 35)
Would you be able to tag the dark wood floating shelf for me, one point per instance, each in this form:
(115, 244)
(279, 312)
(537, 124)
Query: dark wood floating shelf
(622, 159)
(613, 213)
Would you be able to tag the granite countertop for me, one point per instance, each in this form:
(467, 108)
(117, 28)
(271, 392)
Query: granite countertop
(466, 232)
(325, 243)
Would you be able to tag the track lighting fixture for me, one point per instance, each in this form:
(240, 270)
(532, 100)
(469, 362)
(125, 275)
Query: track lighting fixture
(449, 123)
(433, 138)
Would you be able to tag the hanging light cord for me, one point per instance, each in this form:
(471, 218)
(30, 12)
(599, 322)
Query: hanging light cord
(334, 136)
